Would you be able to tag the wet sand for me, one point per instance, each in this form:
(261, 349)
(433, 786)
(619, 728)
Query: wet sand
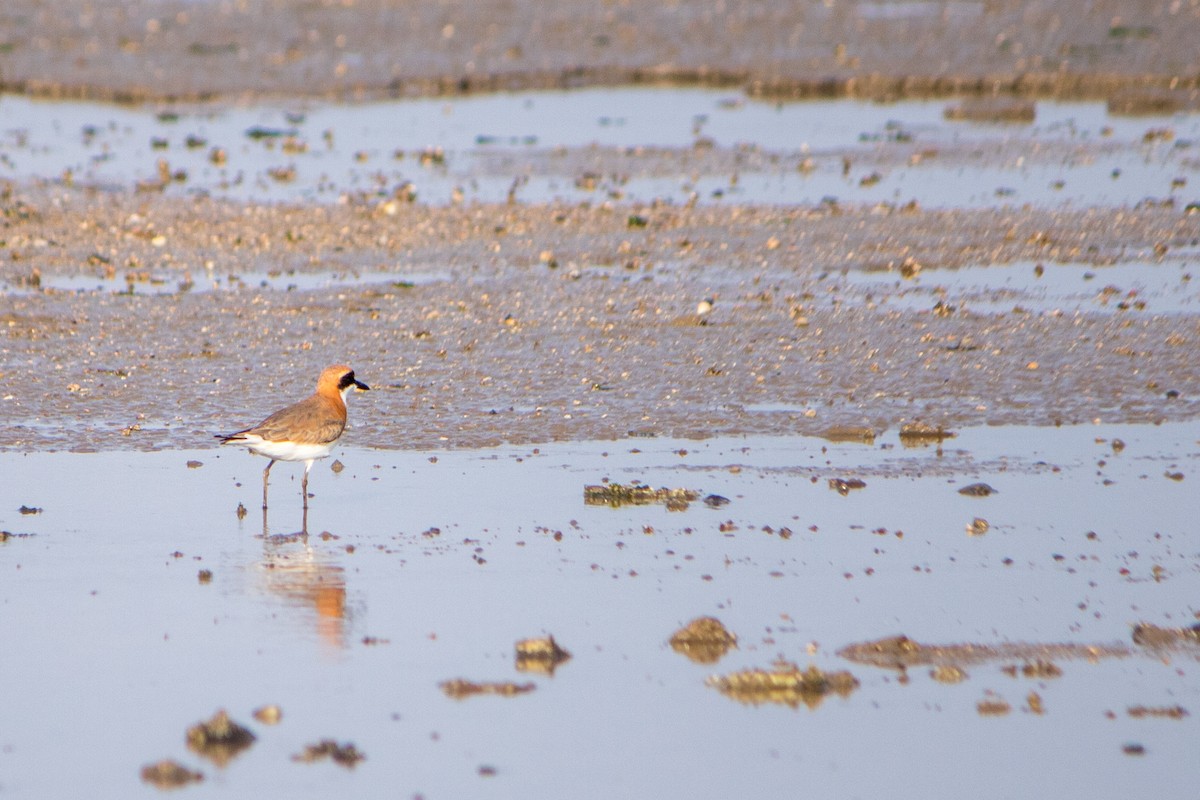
(373, 48)
(550, 321)
(546, 323)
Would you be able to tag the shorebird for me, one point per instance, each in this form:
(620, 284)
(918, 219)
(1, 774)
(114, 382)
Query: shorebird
(703, 309)
(303, 431)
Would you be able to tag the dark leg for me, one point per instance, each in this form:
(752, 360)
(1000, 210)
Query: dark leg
(304, 483)
(266, 472)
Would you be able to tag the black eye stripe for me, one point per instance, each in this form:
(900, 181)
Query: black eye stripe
(347, 380)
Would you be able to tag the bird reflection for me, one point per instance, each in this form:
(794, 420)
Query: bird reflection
(306, 578)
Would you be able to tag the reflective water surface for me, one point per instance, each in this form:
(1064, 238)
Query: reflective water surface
(423, 567)
(637, 144)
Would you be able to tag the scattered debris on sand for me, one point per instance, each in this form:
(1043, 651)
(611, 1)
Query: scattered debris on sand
(977, 490)
(786, 684)
(540, 655)
(704, 640)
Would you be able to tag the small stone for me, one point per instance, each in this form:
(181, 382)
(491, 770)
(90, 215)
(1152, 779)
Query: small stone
(269, 714)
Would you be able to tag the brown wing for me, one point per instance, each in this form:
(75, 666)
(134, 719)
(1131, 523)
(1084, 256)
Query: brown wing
(311, 421)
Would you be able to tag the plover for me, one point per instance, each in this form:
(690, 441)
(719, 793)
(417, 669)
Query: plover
(303, 431)
(703, 309)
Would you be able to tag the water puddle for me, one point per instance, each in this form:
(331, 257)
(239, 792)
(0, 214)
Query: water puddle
(212, 281)
(1165, 287)
(421, 572)
(640, 144)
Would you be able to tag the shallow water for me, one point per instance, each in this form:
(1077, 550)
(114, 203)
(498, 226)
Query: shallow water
(1157, 287)
(113, 647)
(210, 280)
(638, 144)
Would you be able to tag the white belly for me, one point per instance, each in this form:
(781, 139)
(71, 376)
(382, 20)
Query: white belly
(284, 451)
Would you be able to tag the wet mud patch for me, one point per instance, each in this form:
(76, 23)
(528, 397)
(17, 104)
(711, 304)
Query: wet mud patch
(219, 739)
(785, 684)
(901, 653)
(461, 688)
(1155, 637)
(1167, 712)
(168, 774)
(704, 640)
(616, 495)
(579, 348)
(543, 655)
(202, 49)
(343, 754)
